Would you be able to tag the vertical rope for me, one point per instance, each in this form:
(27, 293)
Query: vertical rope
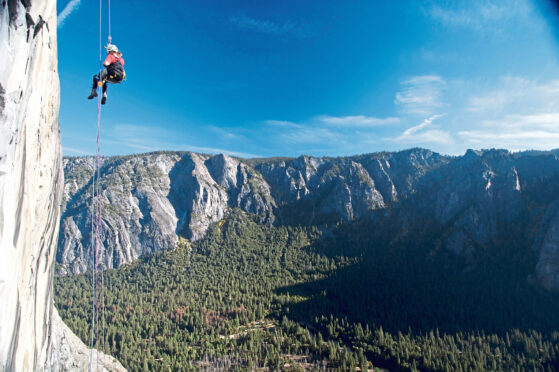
(99, 224)
(100, 30)
(101, 207)
(110, 39)
(95, 218)
(92, 273)
(97, 200)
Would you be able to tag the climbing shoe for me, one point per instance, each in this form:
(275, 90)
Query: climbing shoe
(104, 99)
(93, 94)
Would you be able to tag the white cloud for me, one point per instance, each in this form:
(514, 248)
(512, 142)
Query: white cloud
(518, 114)
(512, 140)
(215, 150)
(517, 93)
(73, 151)
(421, 95)
(481, 15)
(546, 121)
(517, 132)
(295, 133)
(68, 9)
(143, 138)
(331, 131)
(429, 137)
(282, 123)
(225, 134)
(357, 121)
(140, 133)
(146, 138)
(425, 133)
(473, 17)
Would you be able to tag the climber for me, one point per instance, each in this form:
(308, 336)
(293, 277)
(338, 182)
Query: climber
(113, 72)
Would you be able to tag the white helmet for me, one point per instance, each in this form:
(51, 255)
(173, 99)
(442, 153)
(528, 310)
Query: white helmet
(111, 48)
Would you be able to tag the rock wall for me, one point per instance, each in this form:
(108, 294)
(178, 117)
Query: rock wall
(150, 200)
(31, 184)
(30, 180)
(70, 354)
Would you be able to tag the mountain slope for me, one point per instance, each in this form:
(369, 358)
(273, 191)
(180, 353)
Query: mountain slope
(473, 200)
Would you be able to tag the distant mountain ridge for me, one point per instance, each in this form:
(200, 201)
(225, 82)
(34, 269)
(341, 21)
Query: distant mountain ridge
(152, 199)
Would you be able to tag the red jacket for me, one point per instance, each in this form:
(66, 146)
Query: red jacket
(111, 58)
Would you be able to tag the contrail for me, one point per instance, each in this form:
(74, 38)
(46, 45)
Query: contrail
(70, 7)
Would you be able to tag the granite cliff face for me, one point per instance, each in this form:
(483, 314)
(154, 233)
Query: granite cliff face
(31, 187)
(152, 199)
(30, 181)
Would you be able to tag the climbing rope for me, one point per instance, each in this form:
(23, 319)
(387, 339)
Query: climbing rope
(100, 204)
(110, 38)
(98, 297)
(94, 275)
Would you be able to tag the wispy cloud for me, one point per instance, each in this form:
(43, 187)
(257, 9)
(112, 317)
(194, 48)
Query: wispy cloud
(331, 131)
(216, 150)
(357, 121)
(517, 93)
(74, 151)
(147, 138)
(425, 133)
(307, 133)
(68, 9)
(471, 17)
(516, 132)
(480, 15)
(288, 28)
(143, 138)
(224, 134)
(421, 95)
(516, 113)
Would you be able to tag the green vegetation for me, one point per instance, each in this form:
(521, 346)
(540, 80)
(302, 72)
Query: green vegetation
(249, 296)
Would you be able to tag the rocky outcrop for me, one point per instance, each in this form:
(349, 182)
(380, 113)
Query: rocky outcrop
(70, 354)
(30, 187)
(347, 188)
(150, 200)
(341, 188)
(137, 215)
(475, 197)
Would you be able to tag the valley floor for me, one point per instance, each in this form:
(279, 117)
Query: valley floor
(252, 297)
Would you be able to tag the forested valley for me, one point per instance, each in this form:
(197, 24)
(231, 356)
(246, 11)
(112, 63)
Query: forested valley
(356, 296)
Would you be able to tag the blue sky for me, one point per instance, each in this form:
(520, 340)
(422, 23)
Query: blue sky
(285, 78)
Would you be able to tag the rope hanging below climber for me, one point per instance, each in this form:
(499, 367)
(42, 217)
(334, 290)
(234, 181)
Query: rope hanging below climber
(112, 71)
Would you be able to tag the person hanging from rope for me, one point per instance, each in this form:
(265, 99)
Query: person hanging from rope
(112, 72)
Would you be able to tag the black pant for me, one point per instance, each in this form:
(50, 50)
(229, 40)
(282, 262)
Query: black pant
(101, 76)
